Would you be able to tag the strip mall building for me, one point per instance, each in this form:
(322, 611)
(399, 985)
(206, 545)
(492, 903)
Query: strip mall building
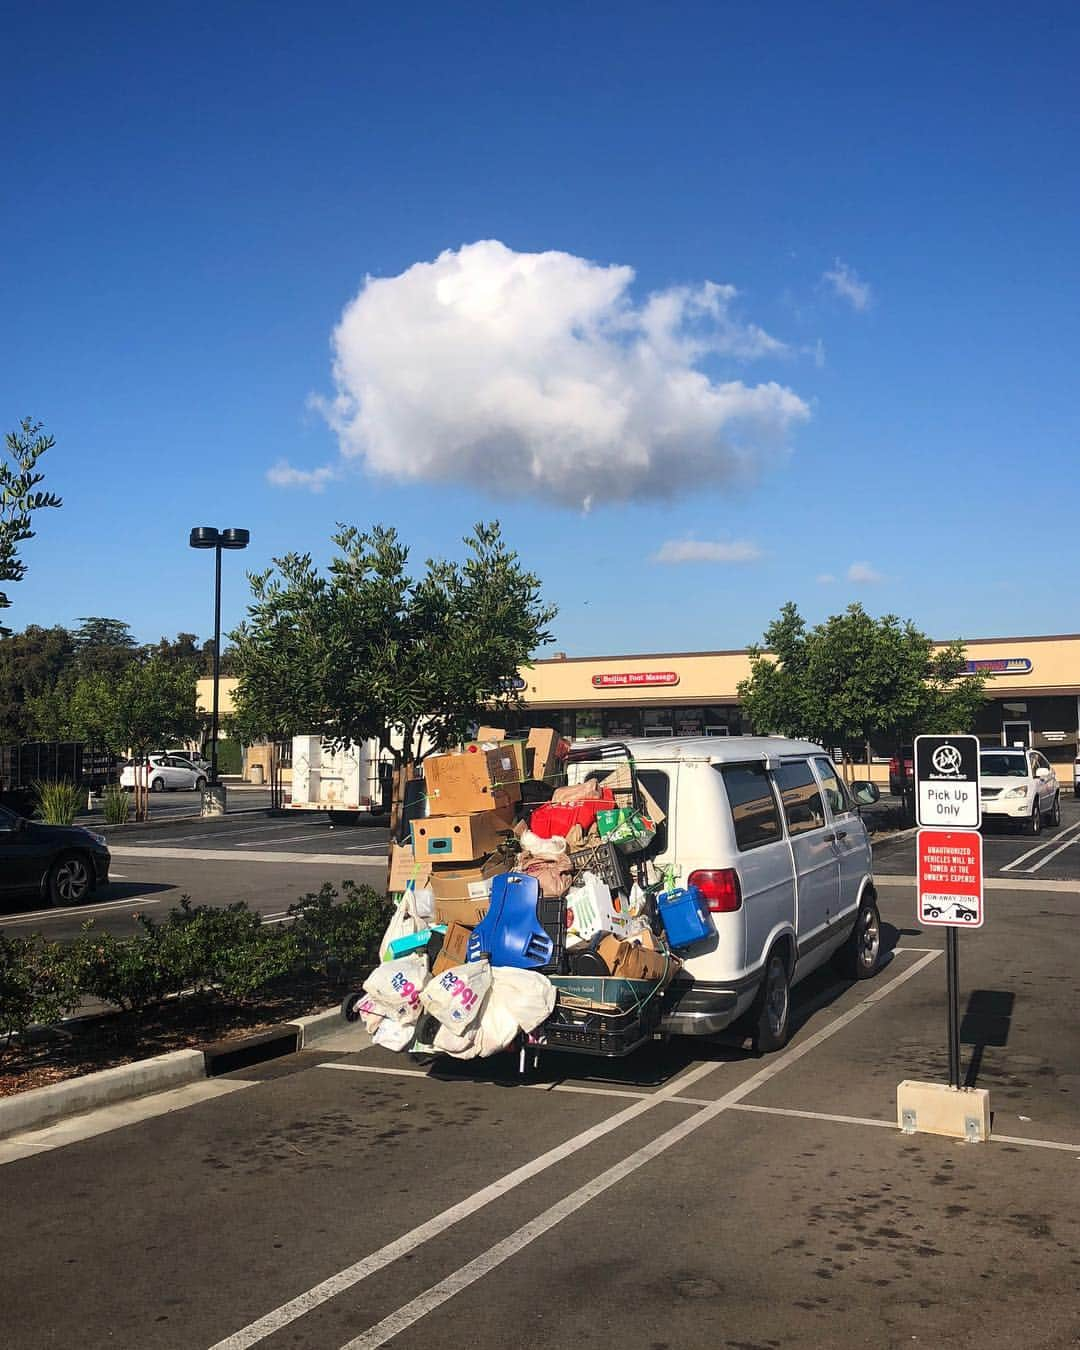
(1032, 690)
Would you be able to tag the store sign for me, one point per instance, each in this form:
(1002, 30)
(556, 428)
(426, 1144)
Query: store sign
(635, 679)
(999, 665)
(510, 684)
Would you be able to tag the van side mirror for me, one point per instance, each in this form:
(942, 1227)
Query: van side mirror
(865, 793)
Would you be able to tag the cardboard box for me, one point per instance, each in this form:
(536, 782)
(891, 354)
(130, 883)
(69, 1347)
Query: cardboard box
(491, 733)
(454, 946)
(464, 885)
(544, 744)
(639, 958)
(403, 869)
(476, 780)
(459, 838)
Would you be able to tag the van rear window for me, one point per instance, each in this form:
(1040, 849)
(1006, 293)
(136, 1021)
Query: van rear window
(753, 806)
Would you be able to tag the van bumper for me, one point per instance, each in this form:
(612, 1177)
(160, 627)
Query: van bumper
(703, 1009)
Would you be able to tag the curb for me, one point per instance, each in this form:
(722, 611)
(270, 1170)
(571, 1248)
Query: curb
(170, 822)
(43, 1106)
(900, 837)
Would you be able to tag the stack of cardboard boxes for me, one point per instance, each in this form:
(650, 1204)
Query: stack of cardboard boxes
(472, 796)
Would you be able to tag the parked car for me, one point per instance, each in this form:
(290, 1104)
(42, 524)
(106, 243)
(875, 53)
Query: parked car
(772, 838)
(164, 773)
(63, 864)
(1019, 785)
(907, 756)
(191, 757)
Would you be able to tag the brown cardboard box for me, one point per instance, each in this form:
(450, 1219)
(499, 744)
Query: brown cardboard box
(514, 749)
(544, 743)
(639, 958)
(477, 780)
(491, 733)
(465, 912)
(403, 869)
(465, 884)
(459, 838)
(454, 946)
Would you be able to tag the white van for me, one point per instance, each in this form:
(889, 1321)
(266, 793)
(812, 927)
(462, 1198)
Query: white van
(772, 837)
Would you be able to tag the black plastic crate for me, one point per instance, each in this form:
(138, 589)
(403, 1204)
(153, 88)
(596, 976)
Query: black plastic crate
(606, 862)
(552, 915)
(586, 1032)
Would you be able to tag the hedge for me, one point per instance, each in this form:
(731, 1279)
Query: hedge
(225, 953)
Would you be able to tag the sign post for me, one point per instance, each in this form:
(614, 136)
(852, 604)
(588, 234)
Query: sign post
(950, 871)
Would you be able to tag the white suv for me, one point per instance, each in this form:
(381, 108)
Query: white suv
(1019, 785)
(772, 838)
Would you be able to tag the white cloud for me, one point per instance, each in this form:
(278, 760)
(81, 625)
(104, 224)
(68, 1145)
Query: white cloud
(825, 579)
(864, 574)
(705, 550)
(537, 374)
(315, 480)
(846, 283)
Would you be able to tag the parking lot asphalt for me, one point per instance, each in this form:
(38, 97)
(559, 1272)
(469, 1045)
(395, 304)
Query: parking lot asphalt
(267, 862)
(690, 1196)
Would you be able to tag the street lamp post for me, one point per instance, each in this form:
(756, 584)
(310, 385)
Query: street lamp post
(206, 536)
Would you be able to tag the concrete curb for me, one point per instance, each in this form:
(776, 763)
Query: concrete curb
(44, 1106)
(170, 822)
(901, 836)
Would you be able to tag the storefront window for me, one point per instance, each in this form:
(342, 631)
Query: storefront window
(658, 722)
(689, 721)
(621, 723)
(587, 724)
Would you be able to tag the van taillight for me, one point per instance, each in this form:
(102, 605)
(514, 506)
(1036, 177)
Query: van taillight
(720, 887)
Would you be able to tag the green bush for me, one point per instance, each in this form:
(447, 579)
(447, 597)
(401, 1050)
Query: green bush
(116, 805)
(126, 972)
(340, 938)
(202, 947)
(37, 984)
(58, 802)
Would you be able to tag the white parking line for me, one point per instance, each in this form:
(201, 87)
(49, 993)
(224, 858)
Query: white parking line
(482, 1265)
(1050, 856)
(89, 910)
(352, 1275)
(1046, 843)
(231, 855)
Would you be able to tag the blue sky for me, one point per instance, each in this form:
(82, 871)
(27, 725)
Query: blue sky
(196, 193)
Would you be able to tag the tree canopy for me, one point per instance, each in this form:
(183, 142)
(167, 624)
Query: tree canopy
(854, 677)
(19, 498)
(369, 650)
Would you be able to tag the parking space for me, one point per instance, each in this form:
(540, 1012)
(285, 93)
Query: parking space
(1007, 852)
(351, 1198)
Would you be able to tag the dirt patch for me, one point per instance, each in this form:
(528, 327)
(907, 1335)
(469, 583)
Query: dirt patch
(86, 1044)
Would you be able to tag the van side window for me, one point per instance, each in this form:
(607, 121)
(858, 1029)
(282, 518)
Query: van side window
(835, 792)
(658, 785)
(803, 806)
(753, 806)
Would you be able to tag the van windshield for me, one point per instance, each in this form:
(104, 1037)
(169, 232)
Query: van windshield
(1003, 766)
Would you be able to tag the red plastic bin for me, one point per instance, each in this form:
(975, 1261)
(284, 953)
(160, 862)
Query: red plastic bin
(552, 819)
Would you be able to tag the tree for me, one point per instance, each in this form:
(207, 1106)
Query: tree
(153, 701)
(18, 498)
(31, 663)
(853, 677)
(103, 646)
(371, 651)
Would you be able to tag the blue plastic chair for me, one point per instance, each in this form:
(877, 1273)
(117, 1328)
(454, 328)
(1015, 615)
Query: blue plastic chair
(510, 934)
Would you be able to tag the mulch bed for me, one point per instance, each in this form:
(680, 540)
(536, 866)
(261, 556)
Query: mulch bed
(87, 1044)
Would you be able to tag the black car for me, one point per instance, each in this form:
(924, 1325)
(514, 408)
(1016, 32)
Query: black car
(61, 863)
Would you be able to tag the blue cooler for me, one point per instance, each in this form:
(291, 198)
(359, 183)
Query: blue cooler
(685, 916)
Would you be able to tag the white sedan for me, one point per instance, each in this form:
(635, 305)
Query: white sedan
(164, 773)
(1019, 785)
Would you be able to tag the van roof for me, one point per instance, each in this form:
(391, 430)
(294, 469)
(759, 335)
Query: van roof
(718, 749)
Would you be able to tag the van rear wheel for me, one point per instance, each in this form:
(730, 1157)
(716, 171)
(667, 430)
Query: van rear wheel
(772, 1007)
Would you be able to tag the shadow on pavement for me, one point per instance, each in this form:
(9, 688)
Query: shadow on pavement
(986, 1022)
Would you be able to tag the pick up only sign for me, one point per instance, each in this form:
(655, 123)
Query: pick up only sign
(950, 878)
(947, 781)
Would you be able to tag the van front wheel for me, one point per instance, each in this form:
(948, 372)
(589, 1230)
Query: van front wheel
(860, 956)
(772, 1007)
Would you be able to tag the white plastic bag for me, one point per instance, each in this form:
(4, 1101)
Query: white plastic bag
(424, 904)
(393, 1035)
(527, 995)
(592, 909)
(456, 996)
(395, 987)
(448, 1042)
(543, 848)
(403, 923)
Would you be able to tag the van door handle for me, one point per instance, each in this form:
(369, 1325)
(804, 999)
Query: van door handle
(836, 836)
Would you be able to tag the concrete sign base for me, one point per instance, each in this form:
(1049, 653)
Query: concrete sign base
(937, 1108)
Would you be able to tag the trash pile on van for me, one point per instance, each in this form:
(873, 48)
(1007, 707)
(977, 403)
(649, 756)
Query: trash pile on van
(527, 910)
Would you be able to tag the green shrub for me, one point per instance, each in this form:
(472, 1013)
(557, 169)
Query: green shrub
(126, 972)
(203, 947)
(116, 805)
(58, 802)
(37, 984)
(340, 938)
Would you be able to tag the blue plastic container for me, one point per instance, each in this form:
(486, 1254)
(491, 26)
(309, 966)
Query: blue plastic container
(685, 916)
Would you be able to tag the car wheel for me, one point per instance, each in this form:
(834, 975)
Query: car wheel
(70, 881)
(200, 784)
(350, 1005)
(1034, 824)
(157, 785)
(772, 1007)
(860, 956)
(1055, 810)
